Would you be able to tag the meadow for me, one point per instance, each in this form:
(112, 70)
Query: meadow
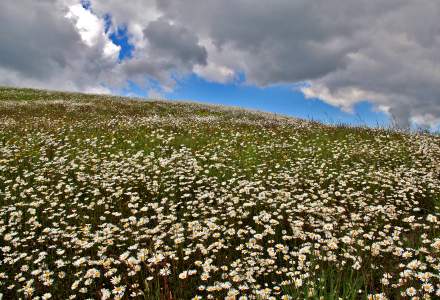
(110, 198)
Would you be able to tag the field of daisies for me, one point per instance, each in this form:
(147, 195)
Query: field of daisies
(110, 198)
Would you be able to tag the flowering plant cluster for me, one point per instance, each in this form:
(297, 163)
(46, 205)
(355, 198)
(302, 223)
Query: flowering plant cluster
(102, 198)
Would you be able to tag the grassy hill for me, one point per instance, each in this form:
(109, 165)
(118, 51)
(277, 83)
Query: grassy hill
(110, 198)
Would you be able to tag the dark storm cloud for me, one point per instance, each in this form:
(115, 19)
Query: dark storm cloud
(171, 51)
(281, 41)
(175, 42)
(30, 44)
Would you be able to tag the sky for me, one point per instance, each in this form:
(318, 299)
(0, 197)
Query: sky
(365, 62)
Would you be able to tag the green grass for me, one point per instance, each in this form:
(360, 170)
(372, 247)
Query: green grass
(251, 204)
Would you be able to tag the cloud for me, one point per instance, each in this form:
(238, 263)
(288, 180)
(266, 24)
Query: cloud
(49, 44)
(217, 68)
(134, 14)
(70, 49)
(170, 51)
(168, 40)
(345, 51)
(91, 29)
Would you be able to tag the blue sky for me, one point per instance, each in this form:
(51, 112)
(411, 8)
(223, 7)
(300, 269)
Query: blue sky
(120, 37)
(281, 99)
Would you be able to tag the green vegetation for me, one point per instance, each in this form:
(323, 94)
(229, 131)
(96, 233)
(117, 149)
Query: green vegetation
(110, 198)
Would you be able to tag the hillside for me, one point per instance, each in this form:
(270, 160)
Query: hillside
(111, 198)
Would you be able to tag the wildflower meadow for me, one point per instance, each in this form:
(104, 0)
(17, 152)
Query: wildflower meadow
(109, 198)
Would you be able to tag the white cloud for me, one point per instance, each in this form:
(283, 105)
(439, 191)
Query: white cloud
(87, 24)
(215, 73)
(220, 63)
(42, 48)
(92, 30)
(135, 14)
(344, 98)
(111, 50)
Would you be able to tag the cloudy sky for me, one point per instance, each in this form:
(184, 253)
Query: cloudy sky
(364, 61)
